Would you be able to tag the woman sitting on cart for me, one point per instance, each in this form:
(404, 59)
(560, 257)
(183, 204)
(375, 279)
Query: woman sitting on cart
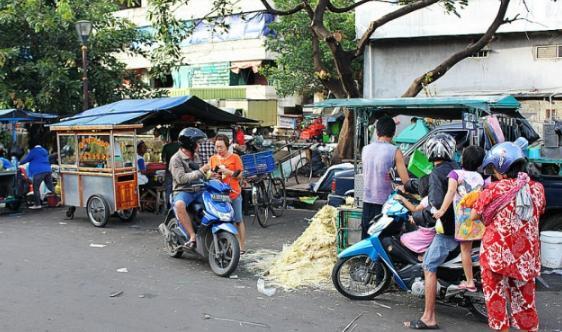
(229, 163)
(184, 175)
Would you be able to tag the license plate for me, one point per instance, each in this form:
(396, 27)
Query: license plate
(220, 198)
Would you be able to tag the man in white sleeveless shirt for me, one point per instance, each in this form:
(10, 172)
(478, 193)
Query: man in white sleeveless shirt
(377, 159)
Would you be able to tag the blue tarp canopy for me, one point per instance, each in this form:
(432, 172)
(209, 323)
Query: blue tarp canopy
(19, 115)
(151, 112)
(433, 107)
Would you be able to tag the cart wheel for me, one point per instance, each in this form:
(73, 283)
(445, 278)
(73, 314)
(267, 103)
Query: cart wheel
(303, 171)
(127, 215)
(70, 212)
(98, 210)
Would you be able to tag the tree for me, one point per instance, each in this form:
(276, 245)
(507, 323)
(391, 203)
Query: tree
(40, 59)
(332, 54)
(344, 54)
(294, 71)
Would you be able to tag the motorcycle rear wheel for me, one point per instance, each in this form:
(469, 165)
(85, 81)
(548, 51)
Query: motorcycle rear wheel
(171, 248)
(478, 306)
(228, 254)
(350, 273)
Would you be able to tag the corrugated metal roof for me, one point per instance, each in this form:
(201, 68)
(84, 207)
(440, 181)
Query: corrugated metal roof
(436, 107)
(20, 115)
(152, 111)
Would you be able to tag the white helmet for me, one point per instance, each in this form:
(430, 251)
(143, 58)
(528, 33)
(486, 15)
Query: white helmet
(440, 146)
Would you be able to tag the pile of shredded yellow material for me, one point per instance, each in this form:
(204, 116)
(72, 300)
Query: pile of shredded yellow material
(306, 262)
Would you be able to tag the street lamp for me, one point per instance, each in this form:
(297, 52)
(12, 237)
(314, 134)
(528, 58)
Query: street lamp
(83, 29)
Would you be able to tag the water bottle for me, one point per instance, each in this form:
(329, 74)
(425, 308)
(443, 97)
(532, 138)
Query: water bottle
(14, 162)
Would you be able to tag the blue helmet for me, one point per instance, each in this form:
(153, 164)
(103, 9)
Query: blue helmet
(503, 155)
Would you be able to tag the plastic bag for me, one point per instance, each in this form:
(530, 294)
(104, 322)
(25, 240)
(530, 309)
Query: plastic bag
(527, 131)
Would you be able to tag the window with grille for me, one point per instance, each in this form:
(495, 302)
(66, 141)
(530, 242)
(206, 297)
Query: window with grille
(549, 52)
(550, 114)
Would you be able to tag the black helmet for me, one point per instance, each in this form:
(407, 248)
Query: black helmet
(189, 137)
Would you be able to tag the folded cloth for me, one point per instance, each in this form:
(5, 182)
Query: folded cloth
(419, 240)
(520, 192)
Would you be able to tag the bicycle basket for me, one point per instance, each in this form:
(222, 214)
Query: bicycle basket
(258, 163)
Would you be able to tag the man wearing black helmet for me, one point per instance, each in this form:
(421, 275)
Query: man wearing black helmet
(186, 170)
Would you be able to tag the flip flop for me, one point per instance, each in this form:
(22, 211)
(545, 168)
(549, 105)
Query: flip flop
(418, 324)
(463, 285)
(190, 244)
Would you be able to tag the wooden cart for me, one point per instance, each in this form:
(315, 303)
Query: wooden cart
(98, 170)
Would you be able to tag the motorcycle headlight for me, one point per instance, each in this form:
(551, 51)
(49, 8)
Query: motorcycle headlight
(223, 216)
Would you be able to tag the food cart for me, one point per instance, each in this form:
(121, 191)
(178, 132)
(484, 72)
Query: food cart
(97, 167)
(97, 150)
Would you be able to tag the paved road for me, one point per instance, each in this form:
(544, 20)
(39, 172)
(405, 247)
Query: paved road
(52, 280)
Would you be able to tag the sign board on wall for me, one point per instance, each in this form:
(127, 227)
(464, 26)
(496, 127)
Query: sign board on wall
(287, 122)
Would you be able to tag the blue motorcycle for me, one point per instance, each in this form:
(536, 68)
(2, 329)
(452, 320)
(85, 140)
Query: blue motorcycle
(213, 222)
(365, 270)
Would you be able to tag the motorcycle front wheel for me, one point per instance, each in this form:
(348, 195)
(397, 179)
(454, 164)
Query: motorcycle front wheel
(224, 259)
(358, 278)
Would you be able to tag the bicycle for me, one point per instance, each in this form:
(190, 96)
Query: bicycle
(268, 197)
(298, 164)
(268, 192)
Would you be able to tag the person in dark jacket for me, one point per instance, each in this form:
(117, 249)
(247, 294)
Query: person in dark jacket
(439, 149)
(39, 170)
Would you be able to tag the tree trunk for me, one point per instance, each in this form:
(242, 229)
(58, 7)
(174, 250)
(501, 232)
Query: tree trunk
(433, 75)
(344, 150)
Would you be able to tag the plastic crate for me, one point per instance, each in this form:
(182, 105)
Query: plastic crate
(419, 165)
(258, 163)
(348, 225)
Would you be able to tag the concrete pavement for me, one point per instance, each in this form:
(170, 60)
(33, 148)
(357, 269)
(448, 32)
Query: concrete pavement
(52, 280)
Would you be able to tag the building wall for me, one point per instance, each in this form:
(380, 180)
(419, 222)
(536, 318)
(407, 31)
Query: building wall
(206, 66)
(510, 67)
(535, 15)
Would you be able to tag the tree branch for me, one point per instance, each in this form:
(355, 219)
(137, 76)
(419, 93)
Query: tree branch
(436, 73)
(334, 9)
(342, 58)
(274, 11)
(404, 10)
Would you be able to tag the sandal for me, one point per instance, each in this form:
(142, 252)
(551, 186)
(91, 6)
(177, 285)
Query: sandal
(418, 324)
(190, 244)
(464, 285)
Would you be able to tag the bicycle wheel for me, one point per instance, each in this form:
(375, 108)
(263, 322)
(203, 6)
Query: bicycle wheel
(303, 171)
(278, 196)
(261, 203)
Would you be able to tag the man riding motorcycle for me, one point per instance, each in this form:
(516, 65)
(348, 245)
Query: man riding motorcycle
(186, 171)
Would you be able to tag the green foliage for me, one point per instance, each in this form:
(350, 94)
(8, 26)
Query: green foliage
(295, 72)
(40, 58)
